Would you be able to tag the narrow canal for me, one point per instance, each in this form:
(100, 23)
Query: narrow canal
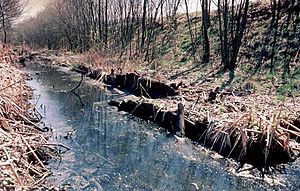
(111, 150)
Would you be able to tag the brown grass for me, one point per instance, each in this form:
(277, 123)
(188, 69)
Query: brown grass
(23, 147)
(243, 124)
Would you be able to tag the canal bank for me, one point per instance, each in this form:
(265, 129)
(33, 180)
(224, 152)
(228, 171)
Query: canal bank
(249, 127)
(114, 151)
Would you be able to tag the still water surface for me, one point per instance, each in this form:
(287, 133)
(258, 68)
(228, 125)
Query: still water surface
(114, 151)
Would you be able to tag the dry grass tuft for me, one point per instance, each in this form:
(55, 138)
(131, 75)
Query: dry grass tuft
(252, 128)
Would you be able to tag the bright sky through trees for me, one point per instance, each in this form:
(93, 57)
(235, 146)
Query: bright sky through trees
(34, 6)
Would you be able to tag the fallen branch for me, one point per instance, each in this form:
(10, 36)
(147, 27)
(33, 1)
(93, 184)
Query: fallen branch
(77, 85)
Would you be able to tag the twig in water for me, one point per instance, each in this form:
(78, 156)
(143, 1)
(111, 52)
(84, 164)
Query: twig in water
(79, 98)
(77, 85)
(142, 88)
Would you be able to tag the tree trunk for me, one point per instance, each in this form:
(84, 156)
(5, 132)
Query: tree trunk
(205, 26)
(3, 24)
(106, 23)
(144, 24)
(275, 17)
(190, 28)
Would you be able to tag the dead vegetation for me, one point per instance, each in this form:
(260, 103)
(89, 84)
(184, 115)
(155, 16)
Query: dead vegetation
(253, 128)
(24, 150)
(247, 117)
(245, 122)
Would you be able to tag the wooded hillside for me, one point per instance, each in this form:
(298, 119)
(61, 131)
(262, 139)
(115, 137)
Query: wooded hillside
(253, 36)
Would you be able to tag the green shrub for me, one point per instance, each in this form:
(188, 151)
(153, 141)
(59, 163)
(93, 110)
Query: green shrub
(291, 88)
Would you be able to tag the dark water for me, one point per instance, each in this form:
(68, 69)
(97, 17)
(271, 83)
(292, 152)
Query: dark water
(115, 151)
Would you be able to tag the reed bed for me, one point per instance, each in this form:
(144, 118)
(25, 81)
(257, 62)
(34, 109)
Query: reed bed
(24, 150)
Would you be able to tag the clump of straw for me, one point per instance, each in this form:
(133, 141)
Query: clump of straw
(24, 150)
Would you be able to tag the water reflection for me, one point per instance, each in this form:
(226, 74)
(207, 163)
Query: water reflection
(114, 151)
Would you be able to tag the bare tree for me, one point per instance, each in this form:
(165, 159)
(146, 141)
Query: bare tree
(232, 24)
(190, 28)
(9, 11)
(275, 6)
(205, 25)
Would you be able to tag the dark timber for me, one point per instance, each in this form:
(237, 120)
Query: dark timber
(180, 128)
(199, 132)
(132, 83)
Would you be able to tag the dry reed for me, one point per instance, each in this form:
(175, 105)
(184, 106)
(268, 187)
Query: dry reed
(23, 147)
(244, 125)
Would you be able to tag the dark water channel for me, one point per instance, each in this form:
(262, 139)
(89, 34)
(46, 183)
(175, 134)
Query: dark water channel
(115, 151)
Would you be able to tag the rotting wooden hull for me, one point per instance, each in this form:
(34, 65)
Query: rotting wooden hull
(198, 132)
(131, 82)
(253, 152)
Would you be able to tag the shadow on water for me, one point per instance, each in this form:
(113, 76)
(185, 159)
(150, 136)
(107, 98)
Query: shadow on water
(115, 151)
